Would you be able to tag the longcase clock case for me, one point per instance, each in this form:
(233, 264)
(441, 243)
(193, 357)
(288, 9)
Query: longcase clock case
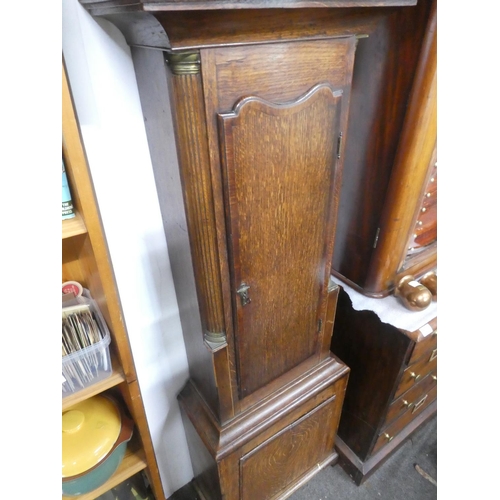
(258, 101)
(268, 144)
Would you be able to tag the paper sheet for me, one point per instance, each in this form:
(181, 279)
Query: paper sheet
(390, 310)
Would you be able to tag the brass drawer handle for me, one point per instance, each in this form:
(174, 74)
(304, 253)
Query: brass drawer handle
(434, 378)
(414, 376)
(434, 355)
(389, 438)
(419, 404)
(405, 403)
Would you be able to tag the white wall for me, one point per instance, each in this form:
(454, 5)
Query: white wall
(105, 91)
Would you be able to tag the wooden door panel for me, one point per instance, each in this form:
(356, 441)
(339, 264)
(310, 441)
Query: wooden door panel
(267, 470)
(279, 72)
(279, 164)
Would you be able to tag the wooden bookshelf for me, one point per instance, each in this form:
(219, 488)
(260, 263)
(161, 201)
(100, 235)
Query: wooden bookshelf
(85, 258)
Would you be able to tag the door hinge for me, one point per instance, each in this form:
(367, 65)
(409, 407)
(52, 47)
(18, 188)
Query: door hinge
(320, 324)
(339, 145)
(376, 238)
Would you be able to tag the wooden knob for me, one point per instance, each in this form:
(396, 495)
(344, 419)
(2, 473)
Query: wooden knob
(413, 295)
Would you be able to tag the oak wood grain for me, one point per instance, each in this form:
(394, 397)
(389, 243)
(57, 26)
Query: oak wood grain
(272, 466)
(279, 229)
(279, 72)
(207, 252)
(227, 443)
(232, 73)
(195, 178)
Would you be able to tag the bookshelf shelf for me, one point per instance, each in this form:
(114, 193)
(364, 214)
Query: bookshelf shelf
(73, 227)
(85, 259)
(116, 378)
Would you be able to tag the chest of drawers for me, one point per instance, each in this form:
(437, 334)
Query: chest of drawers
(392, 388)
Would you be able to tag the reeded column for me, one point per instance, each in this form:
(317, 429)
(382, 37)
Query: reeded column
(194, 164)
(197, 189)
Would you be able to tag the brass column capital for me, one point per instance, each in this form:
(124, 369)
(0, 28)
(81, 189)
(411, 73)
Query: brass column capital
(184, 63)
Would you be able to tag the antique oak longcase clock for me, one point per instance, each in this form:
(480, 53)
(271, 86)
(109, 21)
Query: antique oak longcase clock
(258, 100)
(274, 156)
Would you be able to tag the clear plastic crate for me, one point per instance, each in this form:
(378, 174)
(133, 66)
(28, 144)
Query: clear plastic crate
(91, 364)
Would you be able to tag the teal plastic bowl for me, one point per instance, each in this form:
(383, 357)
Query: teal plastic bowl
(96, 476)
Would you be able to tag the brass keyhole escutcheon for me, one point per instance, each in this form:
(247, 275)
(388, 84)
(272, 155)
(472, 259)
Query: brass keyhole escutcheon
(243, 293)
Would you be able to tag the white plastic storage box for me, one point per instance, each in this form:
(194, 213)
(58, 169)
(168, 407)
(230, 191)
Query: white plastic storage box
(91, 364)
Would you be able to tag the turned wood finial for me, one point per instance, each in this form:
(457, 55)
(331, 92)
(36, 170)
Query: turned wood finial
(429, 280)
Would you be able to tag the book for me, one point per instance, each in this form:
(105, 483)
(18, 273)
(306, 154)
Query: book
(68, 211)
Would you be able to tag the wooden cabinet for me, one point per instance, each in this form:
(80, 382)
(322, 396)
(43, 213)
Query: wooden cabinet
(392, 388)
(387, 212)
(85, 259)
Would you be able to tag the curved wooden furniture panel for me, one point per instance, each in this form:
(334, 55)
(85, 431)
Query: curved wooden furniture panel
(279, 235)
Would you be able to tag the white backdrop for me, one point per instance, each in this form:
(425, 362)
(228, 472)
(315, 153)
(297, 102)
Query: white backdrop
(104, 87)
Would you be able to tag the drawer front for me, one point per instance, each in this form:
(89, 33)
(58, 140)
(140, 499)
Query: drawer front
(390, 432)
(282, 459)
(415, 373)
(428, 344)
(410, 398)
